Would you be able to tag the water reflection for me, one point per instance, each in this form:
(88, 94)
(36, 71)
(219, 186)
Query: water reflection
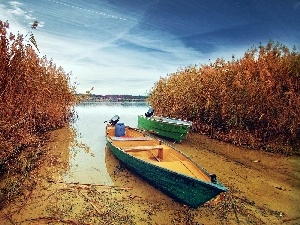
(87, 161)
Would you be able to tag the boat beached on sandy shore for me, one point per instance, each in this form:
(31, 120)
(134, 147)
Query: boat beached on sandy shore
(162, 165)
(169, 128)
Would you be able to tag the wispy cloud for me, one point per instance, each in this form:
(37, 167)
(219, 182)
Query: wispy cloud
(124, 48)
(16, 10)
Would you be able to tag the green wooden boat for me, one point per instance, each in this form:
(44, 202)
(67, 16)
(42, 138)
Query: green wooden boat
(170, 128)
(163, 166)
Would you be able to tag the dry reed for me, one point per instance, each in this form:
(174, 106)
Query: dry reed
(35, 97)
(253, 101)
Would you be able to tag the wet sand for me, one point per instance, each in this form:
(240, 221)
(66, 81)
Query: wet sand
(264, 189)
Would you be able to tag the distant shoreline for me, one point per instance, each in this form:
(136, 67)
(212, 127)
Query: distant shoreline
(114, 98)
(124, 100)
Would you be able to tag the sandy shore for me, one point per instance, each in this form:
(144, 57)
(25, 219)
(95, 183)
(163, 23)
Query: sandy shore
(264, 189)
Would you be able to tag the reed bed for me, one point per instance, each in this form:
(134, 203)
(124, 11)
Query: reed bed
(253, 101)
(35, 97)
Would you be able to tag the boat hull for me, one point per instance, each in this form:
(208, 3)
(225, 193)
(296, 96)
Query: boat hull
(172, 129)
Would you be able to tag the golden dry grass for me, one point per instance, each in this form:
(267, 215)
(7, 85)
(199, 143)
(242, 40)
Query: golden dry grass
(35, 94)
(35, 97)
(253, 101)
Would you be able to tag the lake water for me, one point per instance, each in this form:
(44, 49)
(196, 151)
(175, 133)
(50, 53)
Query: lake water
(87, 153)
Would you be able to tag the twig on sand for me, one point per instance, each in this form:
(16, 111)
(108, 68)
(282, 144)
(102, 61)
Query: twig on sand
(56, 219)
(9, 218)
(291, 219)
(95, 205)
(27, 197)
(97, 185)
(92, 203)
(234, 208)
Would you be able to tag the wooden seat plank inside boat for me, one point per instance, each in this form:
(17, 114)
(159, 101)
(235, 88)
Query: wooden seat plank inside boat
(130, 138)
(143, 148)
(129, 144)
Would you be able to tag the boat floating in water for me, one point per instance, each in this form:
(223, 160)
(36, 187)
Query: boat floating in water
(169, 128)
(163, 166)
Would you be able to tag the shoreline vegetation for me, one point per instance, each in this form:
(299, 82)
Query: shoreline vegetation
(35, 98)
(252, 102)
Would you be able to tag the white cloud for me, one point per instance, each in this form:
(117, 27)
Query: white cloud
(107, 48)
(135, 68)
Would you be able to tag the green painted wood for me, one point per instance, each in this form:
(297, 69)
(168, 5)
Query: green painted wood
(172, 129)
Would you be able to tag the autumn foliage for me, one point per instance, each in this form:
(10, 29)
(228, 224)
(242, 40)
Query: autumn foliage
(253, 101)
(35, 94)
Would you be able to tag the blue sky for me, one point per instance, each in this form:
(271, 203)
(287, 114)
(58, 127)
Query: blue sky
(124, 47)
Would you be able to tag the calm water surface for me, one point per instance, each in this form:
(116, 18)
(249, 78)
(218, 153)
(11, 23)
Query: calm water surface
(87, 154)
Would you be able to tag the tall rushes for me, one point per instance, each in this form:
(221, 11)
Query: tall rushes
(35, 95)
(253, 101)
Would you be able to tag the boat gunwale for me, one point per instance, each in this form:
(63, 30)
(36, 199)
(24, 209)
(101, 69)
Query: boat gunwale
(159, 119)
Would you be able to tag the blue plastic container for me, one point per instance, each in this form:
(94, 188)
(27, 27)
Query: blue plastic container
(119, 129)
